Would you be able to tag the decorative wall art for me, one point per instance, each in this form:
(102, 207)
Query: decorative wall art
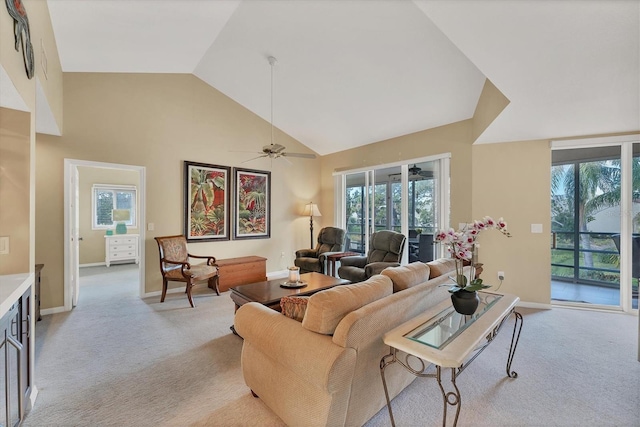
(22, 33)
(207, 202)
(252, 204)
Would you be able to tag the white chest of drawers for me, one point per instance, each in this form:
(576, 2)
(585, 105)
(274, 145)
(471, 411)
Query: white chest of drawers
(121, 247)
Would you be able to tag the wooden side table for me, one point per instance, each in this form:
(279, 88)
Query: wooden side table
(331, 260)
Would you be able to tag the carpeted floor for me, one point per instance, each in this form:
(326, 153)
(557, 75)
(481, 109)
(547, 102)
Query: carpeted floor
(117, 360)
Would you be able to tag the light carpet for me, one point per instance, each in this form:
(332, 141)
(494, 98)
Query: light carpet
(117, 360)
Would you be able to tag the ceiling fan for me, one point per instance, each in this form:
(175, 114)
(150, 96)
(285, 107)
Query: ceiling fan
(275, 151)
(415, 172)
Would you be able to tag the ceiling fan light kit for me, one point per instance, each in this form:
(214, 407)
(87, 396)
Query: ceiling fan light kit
(275, 151)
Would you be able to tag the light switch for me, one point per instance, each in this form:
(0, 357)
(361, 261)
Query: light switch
(4, 245)
(150, 226)
(536, 228)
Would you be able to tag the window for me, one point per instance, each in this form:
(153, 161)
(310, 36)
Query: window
(410, 197)
(107, 198)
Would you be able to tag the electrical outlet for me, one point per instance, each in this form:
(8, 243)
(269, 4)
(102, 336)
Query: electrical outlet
(500, 275)
(282, 254)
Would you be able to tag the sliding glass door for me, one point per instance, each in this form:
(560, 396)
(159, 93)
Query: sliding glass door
(358, 210)
(595, 202)
(407, 198)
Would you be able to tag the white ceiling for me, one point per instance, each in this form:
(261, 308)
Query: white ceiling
(353, 72)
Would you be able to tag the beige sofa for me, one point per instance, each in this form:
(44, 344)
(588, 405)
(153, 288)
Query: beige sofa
(324, 371)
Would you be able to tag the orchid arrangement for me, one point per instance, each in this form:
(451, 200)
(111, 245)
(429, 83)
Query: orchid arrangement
(461, 245)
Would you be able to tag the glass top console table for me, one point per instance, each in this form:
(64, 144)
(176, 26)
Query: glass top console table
(447, 339)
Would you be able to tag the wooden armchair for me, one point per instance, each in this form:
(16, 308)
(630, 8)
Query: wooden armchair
(175, 266)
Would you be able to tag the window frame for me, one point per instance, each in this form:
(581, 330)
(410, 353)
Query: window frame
(113, 188)
(442, 188)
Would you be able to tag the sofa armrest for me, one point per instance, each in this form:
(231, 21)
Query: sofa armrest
(306, 253)
(377, 267)
(311, 356)
(353, 261)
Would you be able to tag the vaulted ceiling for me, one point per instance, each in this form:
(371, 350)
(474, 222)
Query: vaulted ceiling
(353, 72)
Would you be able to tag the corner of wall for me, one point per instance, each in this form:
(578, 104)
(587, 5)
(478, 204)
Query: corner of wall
(490, 104)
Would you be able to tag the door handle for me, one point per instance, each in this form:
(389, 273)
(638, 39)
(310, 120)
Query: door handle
(28, 328)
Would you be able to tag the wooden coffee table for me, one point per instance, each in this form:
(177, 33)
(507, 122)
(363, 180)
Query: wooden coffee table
(270, 292)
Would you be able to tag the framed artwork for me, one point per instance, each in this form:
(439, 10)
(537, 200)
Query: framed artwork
(252, 204)
(207, 202)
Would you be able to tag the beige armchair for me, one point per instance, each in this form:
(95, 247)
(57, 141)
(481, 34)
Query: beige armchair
(175, 266)
(385, 250)
(330, 240)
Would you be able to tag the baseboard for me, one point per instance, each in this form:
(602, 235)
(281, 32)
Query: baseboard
(93, 264)
(53, 310)
(32, 397)
(535, 305)
(277, 274)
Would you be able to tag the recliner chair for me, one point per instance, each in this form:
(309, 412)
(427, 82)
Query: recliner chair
(385, 250)
(330, 240)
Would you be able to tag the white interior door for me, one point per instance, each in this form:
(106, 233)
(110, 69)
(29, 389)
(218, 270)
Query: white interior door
(75, 239)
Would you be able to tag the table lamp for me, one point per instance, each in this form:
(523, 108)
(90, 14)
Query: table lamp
(311, 210)
(121, 216)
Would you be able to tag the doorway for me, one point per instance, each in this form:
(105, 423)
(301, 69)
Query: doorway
(595, 211)
(72, 221)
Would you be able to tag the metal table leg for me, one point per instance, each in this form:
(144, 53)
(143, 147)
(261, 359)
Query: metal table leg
(514, 343)
(449, 398)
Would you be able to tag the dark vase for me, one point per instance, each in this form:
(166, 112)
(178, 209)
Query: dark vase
(465, 302)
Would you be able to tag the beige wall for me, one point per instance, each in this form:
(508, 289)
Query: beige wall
(509, 180)
(14, 189)
(92, 247)
(454, 138)
(512, 180)
(490, 105)
(13, 63)
(158, 121)
(42, 39)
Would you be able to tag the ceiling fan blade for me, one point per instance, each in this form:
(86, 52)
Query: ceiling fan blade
(301, 155)
(245, 151)
(254, 158)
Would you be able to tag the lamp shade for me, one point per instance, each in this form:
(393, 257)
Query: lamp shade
(311, 209)
(121, 214)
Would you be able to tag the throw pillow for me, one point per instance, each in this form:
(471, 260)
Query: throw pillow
(327, 308)
(441, 266)
(406, 276)
(294, 307)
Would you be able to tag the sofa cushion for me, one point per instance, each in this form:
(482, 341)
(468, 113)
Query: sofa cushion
(327, 308)
(406, 276)
(294, 306)
(441, 266)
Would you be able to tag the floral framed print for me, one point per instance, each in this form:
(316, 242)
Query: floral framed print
(207, 202)
(252, 197)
